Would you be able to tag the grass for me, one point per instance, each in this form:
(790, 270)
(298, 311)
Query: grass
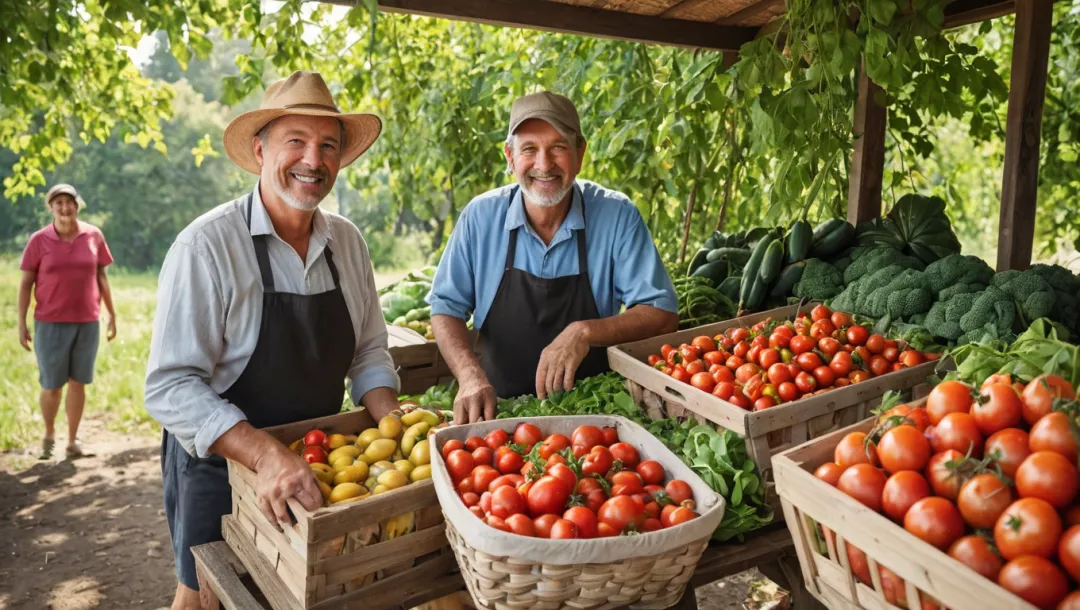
(117, 390)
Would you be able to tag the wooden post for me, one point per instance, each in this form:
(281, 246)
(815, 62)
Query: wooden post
(1027, 90)
(868, 159)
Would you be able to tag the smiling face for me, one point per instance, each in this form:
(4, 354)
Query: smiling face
(64, 209)
(300, 157)
(544, 162)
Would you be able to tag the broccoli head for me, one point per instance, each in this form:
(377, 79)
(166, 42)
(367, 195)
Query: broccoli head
(957, 269)
(903, 296)
(820, 281)
(1033, 295)
(856, 298)
(943, 319)
(1066, 291)
(956, 289)
(993, 310)
(874, 259)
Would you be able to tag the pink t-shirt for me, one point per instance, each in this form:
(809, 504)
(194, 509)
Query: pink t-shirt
(66, 289)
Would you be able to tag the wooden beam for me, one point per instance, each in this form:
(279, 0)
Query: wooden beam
(571, 19)
(749, 12)
(1023, 131)
(868, 158)
(965, 12)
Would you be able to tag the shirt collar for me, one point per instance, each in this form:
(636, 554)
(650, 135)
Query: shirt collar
(81, 228)
(515, 216)
(261, 224)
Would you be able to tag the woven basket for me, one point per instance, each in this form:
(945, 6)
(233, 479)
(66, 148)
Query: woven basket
(504, 570)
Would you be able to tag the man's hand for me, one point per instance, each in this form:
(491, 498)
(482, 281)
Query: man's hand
(24, 336)
(282, 475)
(110, 334)
(476, 400)
(560, 360)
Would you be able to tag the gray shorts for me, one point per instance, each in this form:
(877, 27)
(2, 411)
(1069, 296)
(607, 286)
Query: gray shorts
(65, 351)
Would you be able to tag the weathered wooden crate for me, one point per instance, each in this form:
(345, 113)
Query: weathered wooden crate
(808, 502)
(767, 432)
(420, 364)
(340, 556)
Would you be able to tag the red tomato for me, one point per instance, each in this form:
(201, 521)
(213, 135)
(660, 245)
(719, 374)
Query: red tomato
(858, 376)
(679, 491)
(1039, 395)
(860, 567)
(787, 391)
(714, 357)
(820, 312)
(841, 319)
(723, 374)
(651, 472)
(625, 453)
(1069, 551)
(829, 346)
(564, 529)
(654, 360)
(1053, 433)
(479, 512)
(497, 522)
(768, 357)
(824, 376)
(508, 461)
(765, 402)
(1071, 601)
(910, 357)
(521, 525)
(1049, 476)
(879, 366)
(689, 353)
(740, 400)
(1008, 448)
(998, 407)
(482, 477)
(829, 472)
(853, 449)
(704, 343)
(584, 519)
(901, 491)
(598, 461)
(547, 495)
(822, 329)
(666, 349)
(857, 335)
(891, 354)
(982, 500)
(626, 483)
(975, 552)
(506, 501)
(778, 374)
(841, 364)
(1035, 580)
(875, 344)
(511, 480)
(808, 361)
(936, 521)
(315, 438)
(620, 512)
(585, 438)
(746, 372)
(450, 446)
(543, 524)
(314, 454)
(483, 455)
(470, 499)
(778, 340)
(694, 368)
(801, 344)
(805, 382)
(552, 445)
(863, 482)
(946, 473)
(527, 435)
(1029, 526)
(680, 374)
(563, 473)
(485, 502)
(733, 363)
(957, 431)
(948, 397)
(473, 443)
(724, 390)
(703, 381)
(680, 515)
(496, 438)
(903, 448)
(595, 499)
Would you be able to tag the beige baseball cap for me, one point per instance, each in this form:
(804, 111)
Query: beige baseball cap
(63, 189)
(556, 109)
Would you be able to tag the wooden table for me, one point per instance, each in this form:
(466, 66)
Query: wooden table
(224, 582)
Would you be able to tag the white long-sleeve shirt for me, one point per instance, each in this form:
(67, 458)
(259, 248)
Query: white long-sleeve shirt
(210, 306)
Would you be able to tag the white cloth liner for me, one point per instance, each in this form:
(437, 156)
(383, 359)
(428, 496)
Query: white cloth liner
(482, 537)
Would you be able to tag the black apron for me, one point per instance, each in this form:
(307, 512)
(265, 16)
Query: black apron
(528, 312)
(297, 372)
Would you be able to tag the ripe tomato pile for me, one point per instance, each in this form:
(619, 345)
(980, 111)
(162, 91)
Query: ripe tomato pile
(590, 485)
(988, 476)
(779, 361)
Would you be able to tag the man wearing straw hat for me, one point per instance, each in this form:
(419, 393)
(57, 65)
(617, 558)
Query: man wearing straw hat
(266, 305)
(544, 266)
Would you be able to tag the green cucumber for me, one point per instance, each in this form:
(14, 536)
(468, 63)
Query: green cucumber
(751, 270)
(715, 272)
(827, 227)
(835, 241)
(756, 295)
(785, 282)
(772, 261)
(737, 256)
(730, 288)
(699, 259)
(799, 241)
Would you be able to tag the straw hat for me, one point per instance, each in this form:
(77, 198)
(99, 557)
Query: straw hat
(303, 93)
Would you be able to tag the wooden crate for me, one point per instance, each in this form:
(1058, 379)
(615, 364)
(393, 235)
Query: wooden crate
(339, 556)
(767, 432)
(420, 364)
(808, 501)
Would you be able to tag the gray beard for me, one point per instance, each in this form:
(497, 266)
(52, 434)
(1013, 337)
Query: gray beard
(546, 201)
(291, 200)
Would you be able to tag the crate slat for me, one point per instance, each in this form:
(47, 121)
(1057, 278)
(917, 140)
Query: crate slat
(923, 567)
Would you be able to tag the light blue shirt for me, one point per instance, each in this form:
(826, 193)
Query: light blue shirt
(624, 266)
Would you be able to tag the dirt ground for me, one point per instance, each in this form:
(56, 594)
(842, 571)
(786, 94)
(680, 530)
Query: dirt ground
(91, 533)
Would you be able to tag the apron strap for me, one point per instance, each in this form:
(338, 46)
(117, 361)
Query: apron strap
(333, 268)
(582, 252)
(261, 253)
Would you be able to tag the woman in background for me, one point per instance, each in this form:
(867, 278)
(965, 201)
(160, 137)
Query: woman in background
(64, 264)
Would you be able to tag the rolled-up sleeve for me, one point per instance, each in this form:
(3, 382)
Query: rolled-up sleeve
(188, 340)
(453, 291)
(372, 367)
(640, 275)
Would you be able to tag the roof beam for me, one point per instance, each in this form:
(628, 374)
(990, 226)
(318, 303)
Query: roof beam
(965, 12)
(571, 19)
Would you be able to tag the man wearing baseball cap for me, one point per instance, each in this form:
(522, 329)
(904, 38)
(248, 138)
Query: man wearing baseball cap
(544, 265)
(266, 306)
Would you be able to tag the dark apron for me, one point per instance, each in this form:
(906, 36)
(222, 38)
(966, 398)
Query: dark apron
(297, 371)
(527, 314)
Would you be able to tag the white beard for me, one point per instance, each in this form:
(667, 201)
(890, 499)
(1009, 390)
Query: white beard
(546, 201)
(291, 200)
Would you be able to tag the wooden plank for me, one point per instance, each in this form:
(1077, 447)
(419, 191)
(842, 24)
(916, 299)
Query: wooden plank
(412, 585)
(279, 597)
(581, 20)
(337, 520)
(965, 12)
(868, 158)
(722, 560)
(1023, 130)
(373, 557)
(743, 15)
(216, 566)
